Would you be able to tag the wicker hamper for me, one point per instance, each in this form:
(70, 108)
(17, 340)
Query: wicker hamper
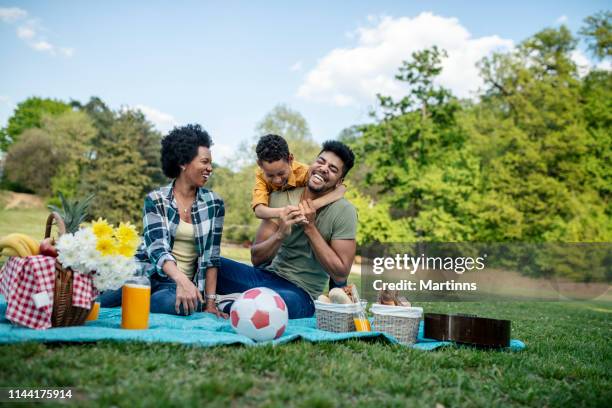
(63, 314)
(336, 318)
(397, 321)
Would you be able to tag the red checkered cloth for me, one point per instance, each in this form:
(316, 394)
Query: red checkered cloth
(24, 281)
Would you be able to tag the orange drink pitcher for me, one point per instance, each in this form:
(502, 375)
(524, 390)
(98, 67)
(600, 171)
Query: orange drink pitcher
(136, 303)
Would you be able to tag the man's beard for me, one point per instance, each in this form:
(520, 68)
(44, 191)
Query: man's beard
(319, 190)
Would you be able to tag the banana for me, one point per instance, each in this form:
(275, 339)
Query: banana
(15, 242)
(30, 242)
(9, 252)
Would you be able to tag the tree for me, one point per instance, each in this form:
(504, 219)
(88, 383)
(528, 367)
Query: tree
(417, 155)
(32, 161)
(543, 150)
(291, 125)
(72, 134)
(27, 115)
(117, 174)
(597, 31)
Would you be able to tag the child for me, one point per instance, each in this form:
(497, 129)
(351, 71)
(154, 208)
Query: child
(279, 171)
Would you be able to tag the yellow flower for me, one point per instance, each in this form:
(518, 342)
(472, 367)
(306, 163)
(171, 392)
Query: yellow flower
(127, 250)
(106, 246)
(126, 234)
(102, 229)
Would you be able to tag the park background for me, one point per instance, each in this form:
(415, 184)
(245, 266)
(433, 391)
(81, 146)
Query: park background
(458, 138)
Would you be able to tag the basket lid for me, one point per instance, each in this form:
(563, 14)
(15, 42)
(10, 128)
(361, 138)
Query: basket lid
(399, 311)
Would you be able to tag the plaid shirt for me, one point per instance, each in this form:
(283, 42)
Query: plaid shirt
(161, 219)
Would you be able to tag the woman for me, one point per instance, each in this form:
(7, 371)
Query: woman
(183, 223)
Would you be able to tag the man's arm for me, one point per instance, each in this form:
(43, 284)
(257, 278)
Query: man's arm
(270, 235)
(336, 257)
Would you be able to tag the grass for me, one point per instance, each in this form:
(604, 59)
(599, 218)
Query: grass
(568, 362)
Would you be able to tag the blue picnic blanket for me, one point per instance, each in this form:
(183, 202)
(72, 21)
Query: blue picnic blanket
(199, 329)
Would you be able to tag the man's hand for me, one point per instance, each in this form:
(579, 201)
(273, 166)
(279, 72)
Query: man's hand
(289, 216)
(187, 295)
(309, 213)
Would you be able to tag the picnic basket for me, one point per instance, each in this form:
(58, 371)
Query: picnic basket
(397, 321)
(64, 313)
(336, 318)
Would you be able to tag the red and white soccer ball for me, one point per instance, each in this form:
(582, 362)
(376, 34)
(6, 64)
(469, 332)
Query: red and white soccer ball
(260, 314)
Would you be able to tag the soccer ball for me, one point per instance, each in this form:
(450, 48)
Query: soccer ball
(260, 314)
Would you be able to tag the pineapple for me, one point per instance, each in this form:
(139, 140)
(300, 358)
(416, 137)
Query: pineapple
(72, 212)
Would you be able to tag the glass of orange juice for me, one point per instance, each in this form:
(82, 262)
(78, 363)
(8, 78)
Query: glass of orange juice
(136, 303)
(94, 312)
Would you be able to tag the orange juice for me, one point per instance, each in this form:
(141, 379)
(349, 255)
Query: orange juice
(93, 313)
(362, 325)
(135, 305)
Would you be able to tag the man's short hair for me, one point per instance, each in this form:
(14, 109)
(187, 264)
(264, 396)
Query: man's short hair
(342, 151)
(271, 148)
(180, 146)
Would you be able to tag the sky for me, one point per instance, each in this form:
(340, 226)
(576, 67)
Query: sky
(226, 64)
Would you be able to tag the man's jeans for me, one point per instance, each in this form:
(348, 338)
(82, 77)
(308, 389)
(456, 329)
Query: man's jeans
(163, 296)
(236, 277)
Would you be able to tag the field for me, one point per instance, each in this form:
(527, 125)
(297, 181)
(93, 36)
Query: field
(567, 362)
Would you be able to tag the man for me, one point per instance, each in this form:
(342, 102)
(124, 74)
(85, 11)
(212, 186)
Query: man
(304, 248)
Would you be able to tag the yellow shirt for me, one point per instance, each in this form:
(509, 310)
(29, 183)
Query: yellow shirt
(184, 250)
(297, 178)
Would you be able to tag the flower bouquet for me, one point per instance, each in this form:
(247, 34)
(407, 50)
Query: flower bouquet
(104, 252)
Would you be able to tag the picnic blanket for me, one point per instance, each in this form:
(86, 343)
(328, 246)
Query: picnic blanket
(199, 329)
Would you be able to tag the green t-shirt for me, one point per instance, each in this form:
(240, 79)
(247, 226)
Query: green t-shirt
(295, 259)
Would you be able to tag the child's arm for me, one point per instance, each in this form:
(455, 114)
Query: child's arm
(261, 195)
(263, 212)
(335, 195)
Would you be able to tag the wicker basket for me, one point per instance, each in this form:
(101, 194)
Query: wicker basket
(336, 321)
(63, 314)
(405, 329)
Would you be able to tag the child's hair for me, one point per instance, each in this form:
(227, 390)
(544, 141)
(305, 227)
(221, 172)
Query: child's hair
(271, 148)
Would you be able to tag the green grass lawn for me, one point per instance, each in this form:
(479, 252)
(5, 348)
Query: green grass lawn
(568, 362)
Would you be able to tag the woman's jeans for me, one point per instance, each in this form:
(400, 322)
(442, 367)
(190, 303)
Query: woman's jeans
(163, 296)
(233, 277)
(236, 277)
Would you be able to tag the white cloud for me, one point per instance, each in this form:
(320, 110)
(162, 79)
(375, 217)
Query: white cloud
(43, 46)
(562, 20)
(162, 121)
(26, 32)
(29, 31)
(223, 153)
(296, 67)
(10, 14)
(353, 76)
(584, 64)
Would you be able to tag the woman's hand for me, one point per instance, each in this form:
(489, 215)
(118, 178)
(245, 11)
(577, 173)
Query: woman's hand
(187, 295)
(211, 307)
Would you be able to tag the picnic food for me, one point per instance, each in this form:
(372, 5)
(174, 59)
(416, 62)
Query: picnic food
(17, 244)
(392, 298)
(340, 296)
(73, 213)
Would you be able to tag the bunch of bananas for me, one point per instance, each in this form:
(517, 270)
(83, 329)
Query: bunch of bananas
(19, 245)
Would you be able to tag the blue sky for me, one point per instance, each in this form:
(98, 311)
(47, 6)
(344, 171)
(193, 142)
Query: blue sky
(226, 64)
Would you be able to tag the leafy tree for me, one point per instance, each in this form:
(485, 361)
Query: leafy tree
(598, 33)
(291, 125)
(542, 146)
(27, 115)
(32, 161)
(118, 174)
